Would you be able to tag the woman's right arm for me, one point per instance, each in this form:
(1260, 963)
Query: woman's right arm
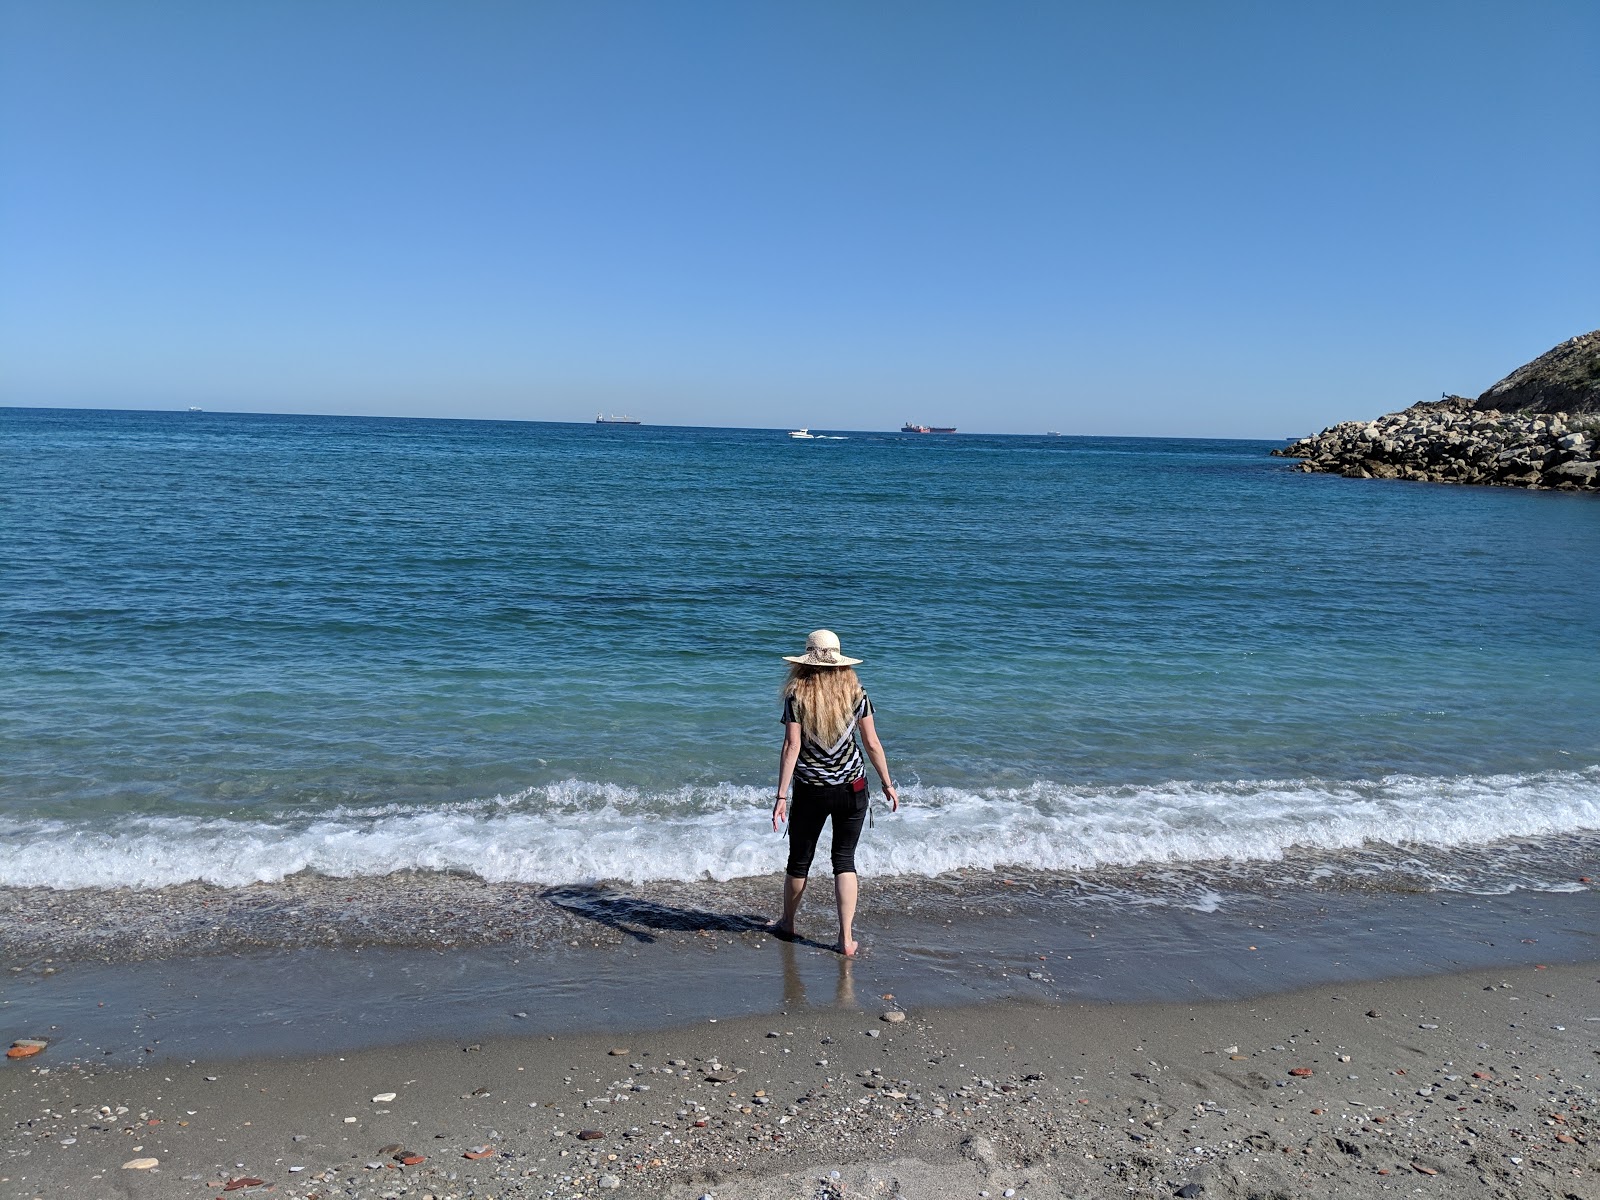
(788, 755)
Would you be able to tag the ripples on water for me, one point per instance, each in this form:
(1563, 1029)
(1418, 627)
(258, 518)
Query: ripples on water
(237, 647)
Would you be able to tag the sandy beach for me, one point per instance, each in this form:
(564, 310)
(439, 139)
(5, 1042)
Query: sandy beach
(1479, 1083)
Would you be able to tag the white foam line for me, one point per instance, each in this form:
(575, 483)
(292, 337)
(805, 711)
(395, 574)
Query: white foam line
(576, 831)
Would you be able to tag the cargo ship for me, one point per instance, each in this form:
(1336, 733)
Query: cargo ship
(602, 419)
(908, 427)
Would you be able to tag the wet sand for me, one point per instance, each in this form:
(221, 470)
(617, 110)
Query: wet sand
(1479, 1083)
(129, 990)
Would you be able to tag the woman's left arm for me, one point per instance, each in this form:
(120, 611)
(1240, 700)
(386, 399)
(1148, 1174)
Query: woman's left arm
(880, 764)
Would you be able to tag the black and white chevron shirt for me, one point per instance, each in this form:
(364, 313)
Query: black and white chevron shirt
(829, 766)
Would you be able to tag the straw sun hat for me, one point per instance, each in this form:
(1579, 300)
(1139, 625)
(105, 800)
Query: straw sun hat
(822, 650)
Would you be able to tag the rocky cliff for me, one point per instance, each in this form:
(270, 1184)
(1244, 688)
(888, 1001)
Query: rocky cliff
(1539, 427)
(1566, 379)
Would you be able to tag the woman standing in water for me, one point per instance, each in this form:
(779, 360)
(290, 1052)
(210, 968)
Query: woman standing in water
(824, 707)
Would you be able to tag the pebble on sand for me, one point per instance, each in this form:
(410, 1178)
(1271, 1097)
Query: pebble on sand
(589, 1135)
(894, 1016)
(27, 1047)
(141, 1164)
(383, 1097)
(1301, 1072)
(617, 1051)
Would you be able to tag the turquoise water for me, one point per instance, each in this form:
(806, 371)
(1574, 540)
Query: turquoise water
(236, 647)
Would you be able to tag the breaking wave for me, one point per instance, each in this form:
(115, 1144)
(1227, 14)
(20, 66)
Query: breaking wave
(578, 831)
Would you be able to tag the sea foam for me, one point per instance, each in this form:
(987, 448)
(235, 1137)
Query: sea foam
(577, 831)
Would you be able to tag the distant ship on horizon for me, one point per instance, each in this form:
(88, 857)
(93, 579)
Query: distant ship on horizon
(910, 427)
(602, 419)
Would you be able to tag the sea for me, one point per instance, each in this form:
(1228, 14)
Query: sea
(393, 656)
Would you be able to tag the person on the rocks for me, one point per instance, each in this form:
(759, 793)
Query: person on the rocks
(824, 708)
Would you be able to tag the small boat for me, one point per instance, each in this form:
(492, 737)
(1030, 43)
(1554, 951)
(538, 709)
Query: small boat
(192, 408)
(602, 419)
(910, 427)
(802, 433)
(1051, 433)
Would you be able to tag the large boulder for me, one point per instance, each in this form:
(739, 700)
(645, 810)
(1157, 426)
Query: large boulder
(1581, 474)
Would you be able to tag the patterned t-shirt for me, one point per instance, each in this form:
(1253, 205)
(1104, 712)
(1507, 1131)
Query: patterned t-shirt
(829, 766)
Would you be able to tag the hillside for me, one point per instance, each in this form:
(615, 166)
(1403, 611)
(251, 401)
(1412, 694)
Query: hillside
(1566, 379)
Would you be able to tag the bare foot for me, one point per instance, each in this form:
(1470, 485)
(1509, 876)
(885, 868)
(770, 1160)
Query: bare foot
(848, 949)
(784, 933)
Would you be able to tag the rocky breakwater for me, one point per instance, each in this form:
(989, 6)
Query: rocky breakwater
(1513, 435)
(1452, 441)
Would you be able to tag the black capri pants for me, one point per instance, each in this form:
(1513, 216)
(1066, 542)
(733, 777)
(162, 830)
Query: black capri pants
(809, 810)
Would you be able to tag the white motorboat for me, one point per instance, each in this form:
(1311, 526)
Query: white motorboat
(802, 433)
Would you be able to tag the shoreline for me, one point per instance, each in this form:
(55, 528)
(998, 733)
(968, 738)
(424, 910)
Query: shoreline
(705, 954)
(445, 909)
(1477, 1083)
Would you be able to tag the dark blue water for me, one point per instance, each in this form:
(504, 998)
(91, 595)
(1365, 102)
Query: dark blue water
(238, 646)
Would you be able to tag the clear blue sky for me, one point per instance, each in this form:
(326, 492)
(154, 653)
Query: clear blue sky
(1129, 216)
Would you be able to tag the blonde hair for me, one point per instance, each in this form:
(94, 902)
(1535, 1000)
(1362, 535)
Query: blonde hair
(824, 699)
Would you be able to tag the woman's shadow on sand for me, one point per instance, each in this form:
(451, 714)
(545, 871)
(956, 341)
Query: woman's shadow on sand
(637, 918)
